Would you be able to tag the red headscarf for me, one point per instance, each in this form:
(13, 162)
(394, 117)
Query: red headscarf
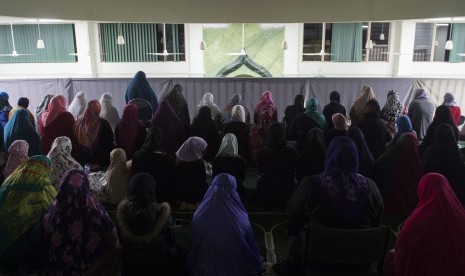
(265, 101)
(129, 129)
(432, 241)
(56, 107)
(88, 125)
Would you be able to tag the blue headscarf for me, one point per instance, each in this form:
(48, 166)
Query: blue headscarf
(310, 110)
(403, 124)
(5, 108)
(221, 238)
(20, 128)
(139, 88)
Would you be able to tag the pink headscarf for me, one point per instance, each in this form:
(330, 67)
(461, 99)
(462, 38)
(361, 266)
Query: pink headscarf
(266, 99)
(339, 121)
(17, 155)
(56, 107)
(432, 241)
(129, 129)
(191, 150)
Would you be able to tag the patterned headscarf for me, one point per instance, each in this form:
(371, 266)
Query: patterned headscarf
(88, 125)
(17, 155)
(229, 145)
(109, 111)
(24, 198)
(310, 110)
(391, 110)
(75, 220)
(78, 104)
(266, 100)
(43, 106)
(60, 157)
(449, 99)
(56, 107)
(191, 150)
(117, 176)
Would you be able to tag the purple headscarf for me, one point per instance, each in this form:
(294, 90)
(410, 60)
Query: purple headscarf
(345, 188)
(170, 125)
(421, 94)
(192, 149)
(221, 214)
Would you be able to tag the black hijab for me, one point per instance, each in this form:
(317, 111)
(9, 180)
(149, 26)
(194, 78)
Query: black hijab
(293, 110)
(311, 160)
(204, 127)
(179, 104)
(365, 158)
(153, 140)
(277, 137)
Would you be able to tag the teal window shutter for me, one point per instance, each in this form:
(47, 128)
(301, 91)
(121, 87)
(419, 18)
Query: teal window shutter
(458, 38)
(346, 42)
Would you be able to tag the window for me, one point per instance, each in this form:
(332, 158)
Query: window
(59, 41)
(141, 39)
(350, 39)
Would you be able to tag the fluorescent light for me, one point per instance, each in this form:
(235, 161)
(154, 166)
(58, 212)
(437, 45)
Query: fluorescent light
(365, 26)
(442, 24)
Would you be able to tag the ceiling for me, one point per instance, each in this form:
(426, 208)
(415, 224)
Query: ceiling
(238, 11)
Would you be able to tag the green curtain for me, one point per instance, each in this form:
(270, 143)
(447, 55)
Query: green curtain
(346, 42)
(58, 38)
(458, 38)
(140, 39)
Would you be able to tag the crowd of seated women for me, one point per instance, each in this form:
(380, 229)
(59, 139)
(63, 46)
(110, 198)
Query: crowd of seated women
(344, 171)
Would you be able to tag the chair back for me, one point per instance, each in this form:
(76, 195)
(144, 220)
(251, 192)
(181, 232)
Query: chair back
(144, 109)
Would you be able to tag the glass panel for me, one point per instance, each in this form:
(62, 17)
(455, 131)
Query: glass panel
(380, 37)
(423, 40)
(313, 33)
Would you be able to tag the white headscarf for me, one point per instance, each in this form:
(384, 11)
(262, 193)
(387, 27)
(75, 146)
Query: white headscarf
(238, 114)
(207, 100)
(61, 160)
(192, 149)
(108, 111)
(78, 105)
(229, 145)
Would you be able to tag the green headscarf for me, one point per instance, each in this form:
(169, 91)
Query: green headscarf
(310, 110)
(24, 197)
(228, 145)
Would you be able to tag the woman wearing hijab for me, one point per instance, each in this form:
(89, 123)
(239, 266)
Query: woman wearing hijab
(24, 197)
(443, 157)
(109, 111)
(78, 105)
(229, 161)
(374, 129)
(94, 137)
(221, 214)
(431, 241)
(403, 125)
(259, 131)
(277, 163)
(160, 165)
(449, 101)
(117, 177)
(441, 116)
(190, 169)
(338, 197)
(43, 106)
(366, 162)
(179, 105)
(311, 160)
(391, 111)
(130, 132)
(17, 154)
(339, 123)
(5, 108)
(332, 108)
(420, 112)
(397, 173)
(79, 235)
(61, 160)
(207, 100)
(20, 128)
(240, 129)
(266, 102)
(293, 110)
(356, 113)
(139, 88)
(146, 230)
(171, 127)
(304, 122)
(55, 122)
(23, 103)
(227, 112)
(204, 127)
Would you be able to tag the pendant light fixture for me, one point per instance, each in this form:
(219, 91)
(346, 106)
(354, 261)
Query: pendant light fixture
(381, 36)
(369, 44)
(449, 43)
(120, 40)
(203, 45)
(284, 45)
(40, 42)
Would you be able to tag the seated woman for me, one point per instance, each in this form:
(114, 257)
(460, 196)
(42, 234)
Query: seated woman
(339, 197)
(431, 241)
(403, 125)
(20, 128)
(24, 198)
(240, 129)
(366, 162)
(391, 111)
(339, 123)
(139, 88)
(61, 160)
(42, 107)
(311, 160)
(153, 160)
(221, 214)
(205, 128)
(258, 133)
(113, 187)
(277, 164)
(374, 129)
(130, 132)
(190, 170)
(146, 230)
(207, 100)
(94, 137)
(304, 122)
(332, 108)
(23, 103)
(79, 235)
(292, 111)
(397, 173)
(178, 102)
(228, 112)
(109, 111)
(228, 161)
(266, 101)
(78, 105)
(17, 154)
(54, 122)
